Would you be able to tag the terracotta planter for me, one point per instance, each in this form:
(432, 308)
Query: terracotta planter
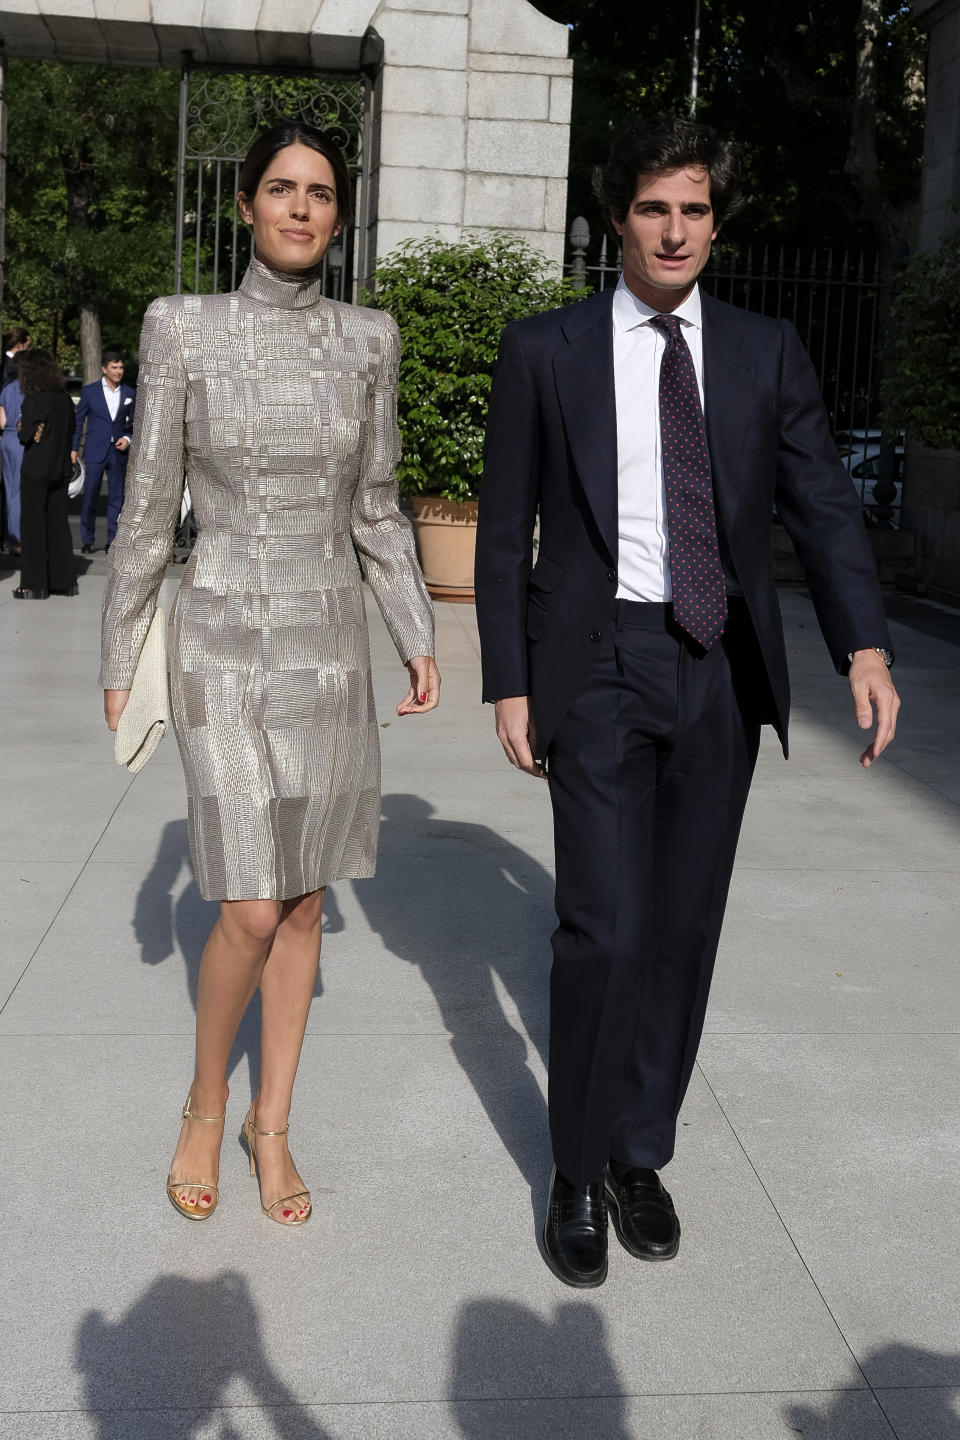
(446, 532)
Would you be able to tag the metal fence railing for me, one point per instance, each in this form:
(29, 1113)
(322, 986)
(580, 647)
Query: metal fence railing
(837, 303)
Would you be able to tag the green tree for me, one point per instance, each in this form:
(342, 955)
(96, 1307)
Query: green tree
(825, 99)
(91, 197)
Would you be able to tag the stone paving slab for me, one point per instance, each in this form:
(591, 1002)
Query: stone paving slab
(815, 1291)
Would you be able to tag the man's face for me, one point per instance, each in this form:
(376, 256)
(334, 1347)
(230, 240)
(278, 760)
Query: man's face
(667, 235)
(114, 371)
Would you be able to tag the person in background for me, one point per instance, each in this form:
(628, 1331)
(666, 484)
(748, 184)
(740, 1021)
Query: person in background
(46, 428)
(11, 453)
(15, 340)
(106, 408)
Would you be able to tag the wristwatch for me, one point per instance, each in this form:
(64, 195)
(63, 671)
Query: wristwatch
(885, 655)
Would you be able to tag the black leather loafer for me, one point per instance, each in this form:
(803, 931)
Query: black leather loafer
(575, 1233)
(643, 1214)
(86, 549)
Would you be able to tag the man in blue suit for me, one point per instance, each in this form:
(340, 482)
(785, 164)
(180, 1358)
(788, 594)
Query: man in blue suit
(106, 408)
(653, 429)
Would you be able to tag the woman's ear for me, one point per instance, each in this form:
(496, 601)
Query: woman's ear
(245, 208)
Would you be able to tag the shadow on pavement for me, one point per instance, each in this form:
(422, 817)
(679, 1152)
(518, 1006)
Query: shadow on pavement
(165, 925)
(461, 930)
(924, 1381)
(174, 1355)
(564, 1363)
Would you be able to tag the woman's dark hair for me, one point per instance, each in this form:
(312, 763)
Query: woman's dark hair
(295, 132)
(665, 143)
(17, 335)
(37, 370)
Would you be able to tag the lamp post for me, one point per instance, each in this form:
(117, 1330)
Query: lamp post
(695, 67)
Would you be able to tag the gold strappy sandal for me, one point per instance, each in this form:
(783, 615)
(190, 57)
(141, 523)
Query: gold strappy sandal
(190, 1211)
(247, 1132)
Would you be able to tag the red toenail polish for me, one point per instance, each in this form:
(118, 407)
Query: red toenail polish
(206, 1199)
(287, 1213)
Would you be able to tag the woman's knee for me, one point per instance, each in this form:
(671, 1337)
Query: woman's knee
(305, 912)
(254, 921)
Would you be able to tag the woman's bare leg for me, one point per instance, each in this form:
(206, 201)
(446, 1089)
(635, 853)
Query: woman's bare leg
(230, 970)
(286, 990)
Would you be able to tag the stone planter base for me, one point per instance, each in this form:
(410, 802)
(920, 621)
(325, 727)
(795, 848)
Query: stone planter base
(446, 532)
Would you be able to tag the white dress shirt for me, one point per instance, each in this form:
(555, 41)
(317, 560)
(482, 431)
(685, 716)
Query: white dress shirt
(112, 397)
(643, 568)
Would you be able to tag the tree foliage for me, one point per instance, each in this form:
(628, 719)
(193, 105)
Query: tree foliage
(923, 348)
(780, 78)
(91, 194)
(451, 302)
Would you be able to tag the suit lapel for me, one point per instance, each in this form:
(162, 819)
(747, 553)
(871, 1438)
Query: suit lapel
(729, 384)
(583, 375)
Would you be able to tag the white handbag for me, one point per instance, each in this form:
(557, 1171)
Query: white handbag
(77, 479)
(147, 711)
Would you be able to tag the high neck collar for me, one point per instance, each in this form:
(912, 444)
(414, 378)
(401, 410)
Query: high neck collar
(287, 292)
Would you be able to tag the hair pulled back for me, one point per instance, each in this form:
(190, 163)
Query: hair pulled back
(294, 132)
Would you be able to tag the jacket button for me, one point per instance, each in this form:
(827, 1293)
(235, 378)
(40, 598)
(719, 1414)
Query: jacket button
(594, 635)
(611, 575)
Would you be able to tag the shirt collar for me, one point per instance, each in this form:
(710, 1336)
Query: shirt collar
(107, 386)
(630, 312)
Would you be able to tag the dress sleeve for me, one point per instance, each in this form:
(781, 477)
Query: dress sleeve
(380, 532)
(140, 552)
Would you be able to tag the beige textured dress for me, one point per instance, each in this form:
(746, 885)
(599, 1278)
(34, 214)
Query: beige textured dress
(280, 407)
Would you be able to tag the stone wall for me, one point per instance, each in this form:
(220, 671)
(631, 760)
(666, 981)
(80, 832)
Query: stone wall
(931, 490)
(940, 197)
(475, 93)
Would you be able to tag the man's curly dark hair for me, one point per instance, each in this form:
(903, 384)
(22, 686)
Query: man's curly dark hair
(662, 143)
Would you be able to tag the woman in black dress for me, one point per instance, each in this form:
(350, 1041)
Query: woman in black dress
(46, 433)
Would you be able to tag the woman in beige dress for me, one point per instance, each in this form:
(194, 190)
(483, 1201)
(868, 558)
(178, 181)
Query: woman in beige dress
(279, 405)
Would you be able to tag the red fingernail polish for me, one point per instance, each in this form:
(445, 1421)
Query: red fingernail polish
(423, 697)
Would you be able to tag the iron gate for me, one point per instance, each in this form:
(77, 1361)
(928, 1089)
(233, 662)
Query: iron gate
(221, 112)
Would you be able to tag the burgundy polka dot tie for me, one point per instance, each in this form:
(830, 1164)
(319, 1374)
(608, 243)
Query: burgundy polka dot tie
(699, 588)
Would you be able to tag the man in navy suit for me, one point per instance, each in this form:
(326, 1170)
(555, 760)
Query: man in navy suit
(654, 429)
(106, 407)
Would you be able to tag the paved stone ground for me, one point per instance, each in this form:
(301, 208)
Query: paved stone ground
(818, 1287)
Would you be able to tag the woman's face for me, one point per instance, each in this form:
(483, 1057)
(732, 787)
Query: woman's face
(294, 211)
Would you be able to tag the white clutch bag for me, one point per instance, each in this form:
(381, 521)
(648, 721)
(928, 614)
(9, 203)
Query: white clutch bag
(147, 711)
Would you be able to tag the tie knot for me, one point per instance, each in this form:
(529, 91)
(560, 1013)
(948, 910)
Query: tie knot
(668, 325)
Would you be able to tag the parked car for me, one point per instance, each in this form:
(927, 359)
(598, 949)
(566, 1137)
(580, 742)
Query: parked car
(860, 453)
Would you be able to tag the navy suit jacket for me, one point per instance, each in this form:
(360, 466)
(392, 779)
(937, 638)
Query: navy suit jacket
(551, 444)
(102, 432)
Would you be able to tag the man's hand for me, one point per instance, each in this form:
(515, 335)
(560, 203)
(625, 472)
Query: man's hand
(73, 457)
(113, 705)
(871, 686)
(424, 692)
(517, 735)
(123, 443)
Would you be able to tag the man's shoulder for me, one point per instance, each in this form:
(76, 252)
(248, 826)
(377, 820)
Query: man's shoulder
(748, 322)
(549, 323)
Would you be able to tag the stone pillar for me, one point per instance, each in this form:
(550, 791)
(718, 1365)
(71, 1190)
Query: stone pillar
(931, 490)
(475, 126)
(940, 193)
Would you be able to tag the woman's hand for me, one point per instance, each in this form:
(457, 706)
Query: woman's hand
(424, 692)
(113, 706)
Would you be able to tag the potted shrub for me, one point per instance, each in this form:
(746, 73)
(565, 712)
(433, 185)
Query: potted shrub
(451, 302)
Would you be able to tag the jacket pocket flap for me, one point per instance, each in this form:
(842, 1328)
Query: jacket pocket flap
(545, 575)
